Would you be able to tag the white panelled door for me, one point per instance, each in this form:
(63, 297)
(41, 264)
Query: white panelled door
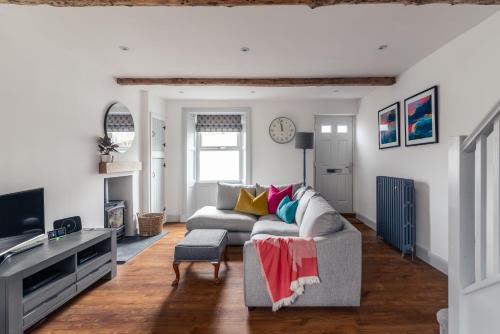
(157, 165)
(333, 160)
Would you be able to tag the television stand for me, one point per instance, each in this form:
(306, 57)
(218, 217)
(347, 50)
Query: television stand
(34, 284)
(19, 250)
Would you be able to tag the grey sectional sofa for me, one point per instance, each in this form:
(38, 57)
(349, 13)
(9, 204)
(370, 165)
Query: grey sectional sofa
(338, 245)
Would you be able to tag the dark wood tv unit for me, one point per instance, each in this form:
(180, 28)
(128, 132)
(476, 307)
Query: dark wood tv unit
(35, 283)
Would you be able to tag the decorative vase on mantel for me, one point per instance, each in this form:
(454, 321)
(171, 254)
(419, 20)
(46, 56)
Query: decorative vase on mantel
(106, 158)
(105, 147)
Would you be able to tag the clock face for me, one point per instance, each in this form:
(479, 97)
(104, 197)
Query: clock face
(282, 130)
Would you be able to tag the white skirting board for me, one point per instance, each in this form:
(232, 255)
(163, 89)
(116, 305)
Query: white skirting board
(173, 218)
(422, 253)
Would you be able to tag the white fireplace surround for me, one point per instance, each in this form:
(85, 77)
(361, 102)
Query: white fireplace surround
(124, 187)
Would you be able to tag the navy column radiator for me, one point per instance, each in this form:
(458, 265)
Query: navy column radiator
(396, 213)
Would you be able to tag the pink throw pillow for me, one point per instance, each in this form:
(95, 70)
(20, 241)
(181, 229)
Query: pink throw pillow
(275, 196)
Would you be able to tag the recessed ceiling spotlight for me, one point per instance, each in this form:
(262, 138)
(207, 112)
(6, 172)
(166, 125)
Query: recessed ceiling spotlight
(383, 47)
(181, 92)
(252, 92)
(245, 49)
(124, 48)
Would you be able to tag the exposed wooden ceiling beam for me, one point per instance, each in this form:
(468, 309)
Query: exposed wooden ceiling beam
(234, 3)
(264, 82)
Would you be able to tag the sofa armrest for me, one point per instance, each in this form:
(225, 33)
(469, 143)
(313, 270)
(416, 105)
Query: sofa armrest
(340, 260)
(339, 266)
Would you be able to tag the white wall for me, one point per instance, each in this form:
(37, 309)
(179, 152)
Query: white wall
(271, 162)
(467, 72)
(52, 107)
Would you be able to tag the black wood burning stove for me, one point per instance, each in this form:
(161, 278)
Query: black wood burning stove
(114, 217)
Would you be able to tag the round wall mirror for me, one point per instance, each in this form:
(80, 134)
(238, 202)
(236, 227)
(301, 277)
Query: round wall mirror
(119, 126)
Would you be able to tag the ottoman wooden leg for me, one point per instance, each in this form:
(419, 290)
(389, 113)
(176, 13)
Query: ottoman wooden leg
(216, 272)
(226, 258)
(175, 282)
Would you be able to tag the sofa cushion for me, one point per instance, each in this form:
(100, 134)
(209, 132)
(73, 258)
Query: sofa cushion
(286, 210)
(297, 195)
(210, 217)
(261, 188)
(255, 205)
(275, 196)
(302, 206)
(270, 217)
(276, 228)
(319, 219)
(227, 194)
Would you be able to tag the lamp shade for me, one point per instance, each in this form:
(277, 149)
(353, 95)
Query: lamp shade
(304, 140)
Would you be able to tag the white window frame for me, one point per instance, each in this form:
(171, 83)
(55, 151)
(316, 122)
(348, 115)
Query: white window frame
(199, 149)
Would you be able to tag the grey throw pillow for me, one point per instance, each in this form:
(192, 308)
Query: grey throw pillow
(261, 188)
(227, 194)
(319, 219)
(303, 202)
(297, 195)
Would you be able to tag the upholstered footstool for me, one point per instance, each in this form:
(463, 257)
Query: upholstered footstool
(201, 246)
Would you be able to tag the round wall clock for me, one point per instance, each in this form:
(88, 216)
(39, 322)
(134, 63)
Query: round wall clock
(282, 130)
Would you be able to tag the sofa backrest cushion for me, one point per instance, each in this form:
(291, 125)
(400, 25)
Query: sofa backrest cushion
(261, 188)
(302, 206)
(319, 219)
(300, 191)
(227, 194)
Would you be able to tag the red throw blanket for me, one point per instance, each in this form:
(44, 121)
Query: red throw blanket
(287, 265)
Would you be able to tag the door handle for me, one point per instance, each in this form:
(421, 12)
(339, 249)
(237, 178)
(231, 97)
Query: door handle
(334, 170)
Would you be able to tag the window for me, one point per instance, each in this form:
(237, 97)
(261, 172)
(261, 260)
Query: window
(326, 129)
(341, 128)
(219, 156)
(219, 148)
(219, 139)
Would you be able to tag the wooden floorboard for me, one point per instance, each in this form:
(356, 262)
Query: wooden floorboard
(399, 296)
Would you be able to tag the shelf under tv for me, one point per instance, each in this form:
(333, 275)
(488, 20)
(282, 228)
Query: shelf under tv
(35, 283)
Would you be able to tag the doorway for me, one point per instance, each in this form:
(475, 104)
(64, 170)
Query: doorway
(333, 160)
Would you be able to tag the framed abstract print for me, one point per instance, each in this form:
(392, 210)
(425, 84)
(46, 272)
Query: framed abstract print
(421, 118)
(388, 126)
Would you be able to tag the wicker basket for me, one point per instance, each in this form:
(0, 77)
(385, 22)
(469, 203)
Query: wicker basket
(150, 224)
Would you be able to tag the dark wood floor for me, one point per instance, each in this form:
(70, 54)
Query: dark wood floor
(399, 296)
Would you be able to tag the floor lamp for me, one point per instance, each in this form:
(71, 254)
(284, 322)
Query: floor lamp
(304, 141)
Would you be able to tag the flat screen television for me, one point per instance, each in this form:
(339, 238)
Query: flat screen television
(21, 218)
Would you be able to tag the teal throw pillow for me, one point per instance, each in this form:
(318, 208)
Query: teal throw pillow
(286, 210)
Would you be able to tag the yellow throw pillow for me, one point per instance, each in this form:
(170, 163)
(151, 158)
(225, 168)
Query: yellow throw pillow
(250, 204)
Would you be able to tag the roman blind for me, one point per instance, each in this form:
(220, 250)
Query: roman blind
(120, 123)
(218, 123)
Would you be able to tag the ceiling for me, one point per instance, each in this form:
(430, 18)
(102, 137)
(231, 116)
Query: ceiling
(284, 41)
(247, 93)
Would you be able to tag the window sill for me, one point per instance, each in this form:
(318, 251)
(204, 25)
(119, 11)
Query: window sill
(215, 182)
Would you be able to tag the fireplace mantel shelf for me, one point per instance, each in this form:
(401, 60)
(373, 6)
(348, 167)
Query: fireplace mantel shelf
(119, 167)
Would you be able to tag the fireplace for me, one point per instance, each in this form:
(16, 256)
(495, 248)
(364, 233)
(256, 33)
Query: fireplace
(119, 205)
(114, 217)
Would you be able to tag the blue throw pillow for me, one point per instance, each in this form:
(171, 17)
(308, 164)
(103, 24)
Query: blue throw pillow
(286, 210)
